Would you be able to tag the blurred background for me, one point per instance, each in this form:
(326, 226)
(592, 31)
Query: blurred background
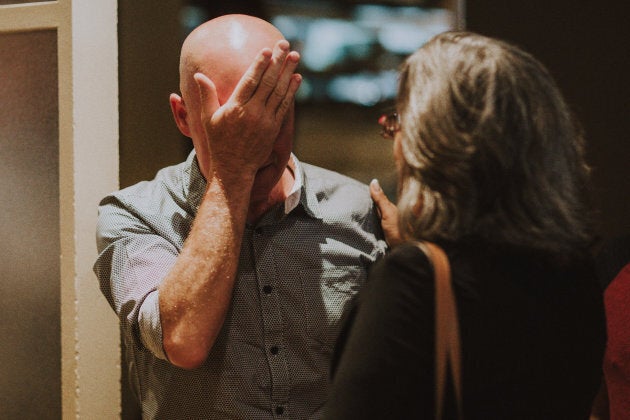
(350, 50)
(350, 53)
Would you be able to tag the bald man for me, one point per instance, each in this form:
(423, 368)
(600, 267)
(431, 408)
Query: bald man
(230, 271)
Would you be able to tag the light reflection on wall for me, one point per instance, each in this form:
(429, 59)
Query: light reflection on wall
(354, 58)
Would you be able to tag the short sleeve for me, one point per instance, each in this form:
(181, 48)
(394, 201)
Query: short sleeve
(132, 262)
(150, 326)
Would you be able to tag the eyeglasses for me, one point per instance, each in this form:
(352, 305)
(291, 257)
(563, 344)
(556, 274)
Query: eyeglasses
(390, 124)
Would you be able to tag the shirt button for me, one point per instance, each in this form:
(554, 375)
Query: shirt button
(279, 410)
(274, 349)
(267, 289)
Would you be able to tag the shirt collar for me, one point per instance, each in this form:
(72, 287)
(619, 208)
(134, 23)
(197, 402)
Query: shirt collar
(305, 195)
(195, 185)
(293, 198)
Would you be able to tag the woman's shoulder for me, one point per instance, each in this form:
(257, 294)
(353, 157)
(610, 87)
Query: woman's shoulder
(403, 266)
(403, 257)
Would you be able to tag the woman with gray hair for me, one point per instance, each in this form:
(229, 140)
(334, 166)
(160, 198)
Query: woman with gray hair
(491, 168)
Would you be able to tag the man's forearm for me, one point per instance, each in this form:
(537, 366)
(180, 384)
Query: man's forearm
(196, 293)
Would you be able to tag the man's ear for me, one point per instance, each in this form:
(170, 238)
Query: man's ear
(180, 114)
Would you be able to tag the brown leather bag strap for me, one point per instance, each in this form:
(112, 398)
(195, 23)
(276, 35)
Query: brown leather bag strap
(447, 338)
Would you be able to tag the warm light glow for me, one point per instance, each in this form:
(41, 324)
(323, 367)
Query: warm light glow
(237, 36)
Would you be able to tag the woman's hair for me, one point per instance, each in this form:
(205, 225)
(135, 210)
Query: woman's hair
(489, 148)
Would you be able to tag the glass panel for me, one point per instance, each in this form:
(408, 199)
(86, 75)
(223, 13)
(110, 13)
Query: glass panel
(30, 371)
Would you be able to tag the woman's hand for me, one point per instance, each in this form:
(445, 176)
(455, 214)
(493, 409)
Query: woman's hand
(388, 213)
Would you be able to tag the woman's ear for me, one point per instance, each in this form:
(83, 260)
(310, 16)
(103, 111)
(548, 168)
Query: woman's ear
(180, 114)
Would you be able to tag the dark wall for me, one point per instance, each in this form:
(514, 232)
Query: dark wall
(585, 46)
(149, 39)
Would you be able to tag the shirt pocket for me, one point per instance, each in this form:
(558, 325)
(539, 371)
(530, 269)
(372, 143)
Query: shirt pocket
(328, 293)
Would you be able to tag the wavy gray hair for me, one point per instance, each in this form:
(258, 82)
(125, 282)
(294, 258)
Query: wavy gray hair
(489, 148)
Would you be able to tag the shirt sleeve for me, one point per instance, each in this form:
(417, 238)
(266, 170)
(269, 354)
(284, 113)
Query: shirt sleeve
(386, 365)
(150, 325)
(131, 264)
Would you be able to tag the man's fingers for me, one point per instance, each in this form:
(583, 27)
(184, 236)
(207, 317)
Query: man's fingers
(209, 101)
(261, 77)
(289, 96)
(285, 84)
(250, 81)
(269, 80)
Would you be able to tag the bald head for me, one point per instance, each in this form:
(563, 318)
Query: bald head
(223, 48)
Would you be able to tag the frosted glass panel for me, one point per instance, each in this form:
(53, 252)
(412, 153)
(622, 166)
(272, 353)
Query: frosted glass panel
(30, 353)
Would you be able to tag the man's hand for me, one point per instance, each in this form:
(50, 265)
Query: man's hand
(242, 132)
(388, 213)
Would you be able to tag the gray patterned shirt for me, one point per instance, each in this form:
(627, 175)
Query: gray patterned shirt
(299, 267)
